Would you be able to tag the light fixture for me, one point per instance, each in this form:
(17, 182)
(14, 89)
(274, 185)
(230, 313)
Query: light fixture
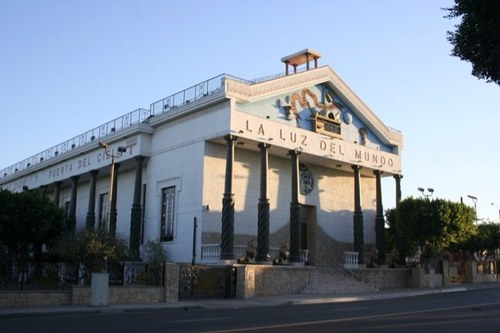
(429, 189)
(474, 200)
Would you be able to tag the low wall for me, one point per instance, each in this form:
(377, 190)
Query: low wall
(121, 295)
(22, 298)
(80, 295)
(472, 275)
(256, 280)
(384, 278)
(419, 279)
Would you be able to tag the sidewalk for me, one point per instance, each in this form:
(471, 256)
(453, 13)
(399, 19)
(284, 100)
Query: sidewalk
(296, 299)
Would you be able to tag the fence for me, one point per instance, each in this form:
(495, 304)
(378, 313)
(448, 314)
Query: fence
(210, 253)
(97, 133)
(183, 97)
(53, 276)
(350, 260)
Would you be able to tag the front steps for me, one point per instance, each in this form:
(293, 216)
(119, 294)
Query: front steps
(334, 281)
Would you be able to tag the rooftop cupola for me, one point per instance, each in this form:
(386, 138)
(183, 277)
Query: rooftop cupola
(299, 58)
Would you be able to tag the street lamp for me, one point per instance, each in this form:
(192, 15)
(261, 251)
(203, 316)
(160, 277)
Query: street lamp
(427, 195)
(110, 153)
(493, 204)
(474, 199)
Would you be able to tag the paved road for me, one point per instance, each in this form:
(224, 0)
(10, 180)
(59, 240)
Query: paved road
(471, 311)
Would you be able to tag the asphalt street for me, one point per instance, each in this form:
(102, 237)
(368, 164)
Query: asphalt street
(466, 311)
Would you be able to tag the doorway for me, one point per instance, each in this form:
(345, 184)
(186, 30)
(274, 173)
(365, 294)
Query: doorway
(308, 231)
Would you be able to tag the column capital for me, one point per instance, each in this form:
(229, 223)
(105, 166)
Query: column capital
(139, 158)
(263, 145)
(230, 138)
(378, 172)
(398, 176)
(94, 172)
(294, 152)
(356, 167)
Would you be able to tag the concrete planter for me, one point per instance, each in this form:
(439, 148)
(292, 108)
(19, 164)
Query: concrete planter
(99, 289)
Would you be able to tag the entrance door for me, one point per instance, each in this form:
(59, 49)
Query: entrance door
(308, 231)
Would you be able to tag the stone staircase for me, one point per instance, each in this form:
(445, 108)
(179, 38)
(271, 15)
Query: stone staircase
(334, 281)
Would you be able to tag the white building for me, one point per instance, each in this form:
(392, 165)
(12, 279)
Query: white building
(297, 155)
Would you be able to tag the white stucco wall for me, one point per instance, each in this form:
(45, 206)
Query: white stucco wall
(177, 150)
(333, 195)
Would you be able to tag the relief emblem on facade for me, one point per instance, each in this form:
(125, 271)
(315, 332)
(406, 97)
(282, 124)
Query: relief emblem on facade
(325, 116)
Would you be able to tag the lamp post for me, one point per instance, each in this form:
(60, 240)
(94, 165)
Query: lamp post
(427, 195)
(493, 204)
(474, 199)
(110, 153)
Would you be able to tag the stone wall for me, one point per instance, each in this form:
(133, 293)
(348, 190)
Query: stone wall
(473, 276)
(80, 295)
(256, 280)
(382, 278)
(421, 279)
(122, 295)
(34, 298)
(276, 280)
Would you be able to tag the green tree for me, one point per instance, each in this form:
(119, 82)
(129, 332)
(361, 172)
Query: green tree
(398, 243)
(27, 221)
(477, 37)
(483, 243)
(433, 226)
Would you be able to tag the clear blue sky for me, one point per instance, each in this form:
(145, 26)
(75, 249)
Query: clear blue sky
(69, 66)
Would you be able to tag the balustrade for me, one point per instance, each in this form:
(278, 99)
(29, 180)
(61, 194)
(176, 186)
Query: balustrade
(350, 260)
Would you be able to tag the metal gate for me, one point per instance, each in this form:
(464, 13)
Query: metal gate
(456, 271)
(197, 281)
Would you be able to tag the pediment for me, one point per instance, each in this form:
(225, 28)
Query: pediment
(319, 91)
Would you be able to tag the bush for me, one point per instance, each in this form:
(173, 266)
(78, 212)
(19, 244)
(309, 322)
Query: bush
(155, 258)
(95, 250)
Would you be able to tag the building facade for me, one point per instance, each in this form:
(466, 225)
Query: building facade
(294, 160)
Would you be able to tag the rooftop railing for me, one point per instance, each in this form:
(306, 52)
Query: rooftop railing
(184, 97)
(191, 94)
(97, 133)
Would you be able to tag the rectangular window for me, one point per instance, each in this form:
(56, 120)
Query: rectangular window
(103, 211)
(167, 213)
(66, 208)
